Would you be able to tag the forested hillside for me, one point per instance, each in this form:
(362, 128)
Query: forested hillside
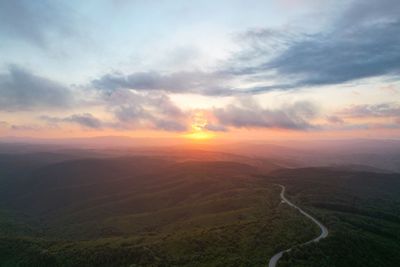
(361, 210)
(143, 211)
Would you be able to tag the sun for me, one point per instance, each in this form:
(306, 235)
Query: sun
(199, 131)
(200, 135)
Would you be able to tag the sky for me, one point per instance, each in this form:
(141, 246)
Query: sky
(237, 69)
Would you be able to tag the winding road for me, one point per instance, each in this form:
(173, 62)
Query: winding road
(324, 231)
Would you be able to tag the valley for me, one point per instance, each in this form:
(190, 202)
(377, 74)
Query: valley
(192, 208)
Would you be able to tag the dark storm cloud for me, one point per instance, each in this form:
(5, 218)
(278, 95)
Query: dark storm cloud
(23, 90)
(33, 21)
(377, 110)
(250, 115)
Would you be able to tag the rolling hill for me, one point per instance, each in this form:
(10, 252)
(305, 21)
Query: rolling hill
(144, 211)
(360, 208)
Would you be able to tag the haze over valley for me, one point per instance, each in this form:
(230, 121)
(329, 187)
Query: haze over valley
(199, 133)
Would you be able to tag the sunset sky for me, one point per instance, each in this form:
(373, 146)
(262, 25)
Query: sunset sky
(200, 69)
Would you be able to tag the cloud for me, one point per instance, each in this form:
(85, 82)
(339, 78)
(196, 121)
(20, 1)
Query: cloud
(362, 43)
(129, 110)
(369, 12)
(177, 82)
(86, 120)
(373, 116)
(33, 21)
(249, 114)
(144, 110)
(215, 127)
(26, 127)
(362, 126)
(218, 83)
(332, 59)
(335, 120)
(23, 90)
(376, 110)
(19, 127)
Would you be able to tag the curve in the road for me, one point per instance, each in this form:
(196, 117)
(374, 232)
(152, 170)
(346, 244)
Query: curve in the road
(324, 231)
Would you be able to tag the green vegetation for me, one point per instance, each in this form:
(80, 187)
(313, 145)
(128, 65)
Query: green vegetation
(144, 211)
(361, 210)
(58, 210)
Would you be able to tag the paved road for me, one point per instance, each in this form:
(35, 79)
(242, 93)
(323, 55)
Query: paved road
(324, 231)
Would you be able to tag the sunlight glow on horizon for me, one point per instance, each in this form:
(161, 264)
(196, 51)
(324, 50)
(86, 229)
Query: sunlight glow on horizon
(253, 69)
(198, 125)
(199, 135)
